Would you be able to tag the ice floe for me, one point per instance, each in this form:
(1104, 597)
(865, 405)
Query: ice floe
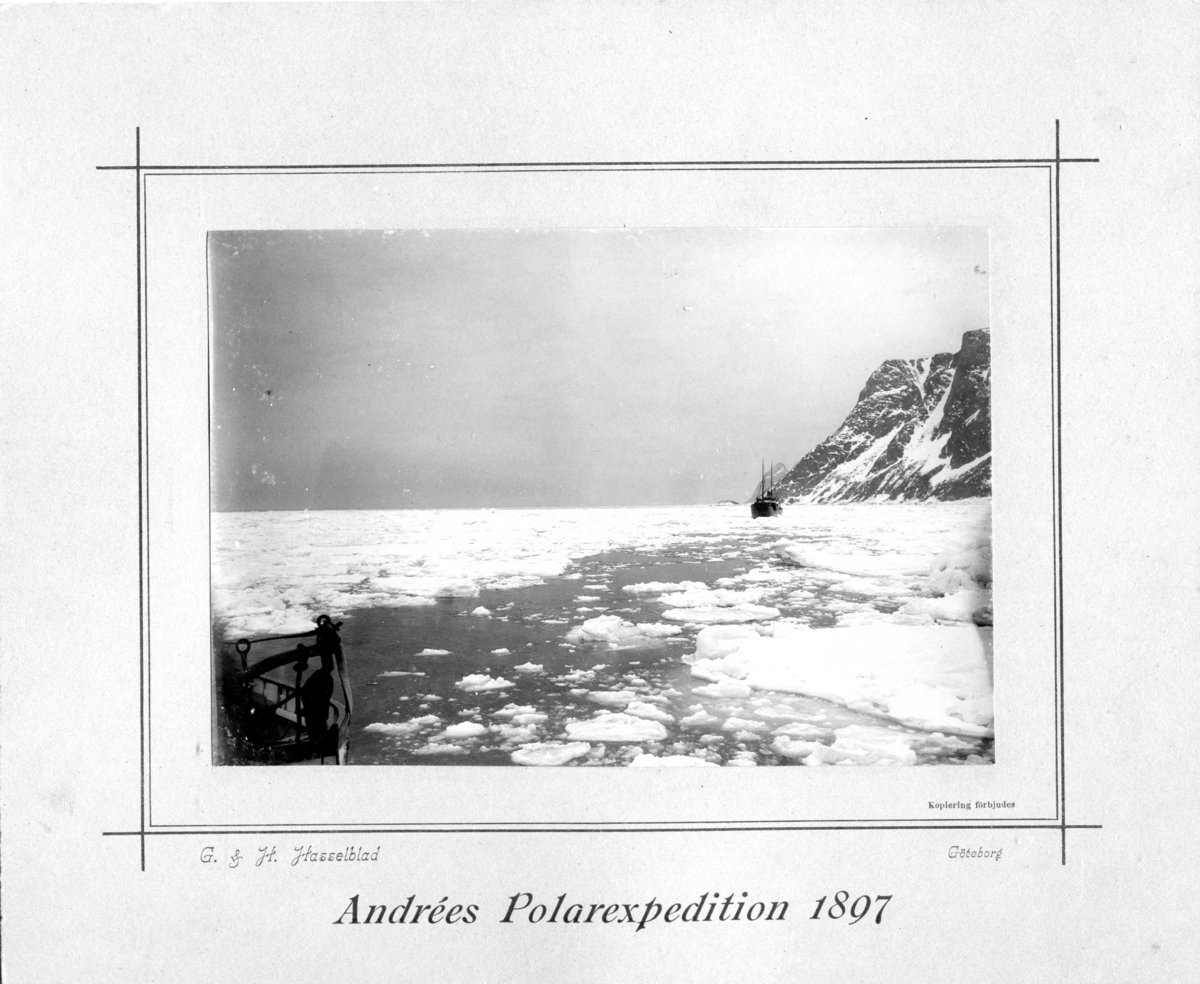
(652, 712)
(511, 710)
(434, 748)
(855, 564)
(723, 687)
(853, 745)
(613, 698)
(936, 678)
(744, 725)
(467, 729)
(659, 587)
(618, 633)
(609, 726)
(550, 752)
(722, 614)
(703, 597)
(473, 682)
(405, 727)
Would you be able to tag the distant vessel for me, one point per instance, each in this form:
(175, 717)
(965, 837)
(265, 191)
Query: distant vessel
(283, 708)
(765, 503)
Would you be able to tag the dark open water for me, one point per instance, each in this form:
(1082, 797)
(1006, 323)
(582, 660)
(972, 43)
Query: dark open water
(531, 623)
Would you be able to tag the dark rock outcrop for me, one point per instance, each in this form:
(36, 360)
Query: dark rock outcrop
(921, 429)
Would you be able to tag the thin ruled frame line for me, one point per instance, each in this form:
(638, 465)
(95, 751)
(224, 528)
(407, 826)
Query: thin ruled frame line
(1053, 167)
(610, 164)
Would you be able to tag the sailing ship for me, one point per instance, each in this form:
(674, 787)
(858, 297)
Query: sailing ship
(765, 503)
(284, 708)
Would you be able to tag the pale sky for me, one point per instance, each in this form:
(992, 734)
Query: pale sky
(471, 368)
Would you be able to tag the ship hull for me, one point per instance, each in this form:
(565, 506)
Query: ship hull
(764, 508)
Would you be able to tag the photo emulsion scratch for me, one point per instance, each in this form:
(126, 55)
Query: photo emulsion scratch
(602, 497)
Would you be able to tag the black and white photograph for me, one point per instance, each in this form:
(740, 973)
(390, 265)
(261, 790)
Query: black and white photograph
(529, 409)
(665, 497)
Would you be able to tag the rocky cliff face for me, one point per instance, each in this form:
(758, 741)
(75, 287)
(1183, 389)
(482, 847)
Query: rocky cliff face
(921, 429)
(774, 475)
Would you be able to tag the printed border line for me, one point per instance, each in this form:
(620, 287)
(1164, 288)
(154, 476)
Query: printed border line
(399, 826)
(698, 822)
(223, 831)
(152, 826)
(679, 826)
(143, 420)
(145, 186)
(254, 172)
(1053, 496)
(1059, 640)
(621, 165)
(686, 825)
(143, 559)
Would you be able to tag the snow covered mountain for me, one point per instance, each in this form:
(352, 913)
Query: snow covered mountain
(775, 474)
(921, 429)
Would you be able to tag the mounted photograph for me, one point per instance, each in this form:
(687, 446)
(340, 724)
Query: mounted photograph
(653, 497)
